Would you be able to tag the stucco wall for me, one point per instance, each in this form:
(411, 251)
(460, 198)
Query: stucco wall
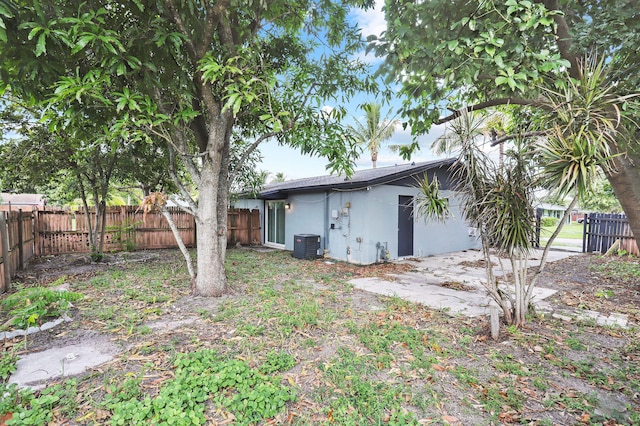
(373, 219)
(352, 224)
(306, 216)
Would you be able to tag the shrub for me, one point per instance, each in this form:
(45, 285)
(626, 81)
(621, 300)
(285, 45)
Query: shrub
(549, 221)
(33, 305)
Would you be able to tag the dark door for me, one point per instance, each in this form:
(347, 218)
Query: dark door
(405, 226)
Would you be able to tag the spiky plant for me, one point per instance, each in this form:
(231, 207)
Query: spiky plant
(429, 202)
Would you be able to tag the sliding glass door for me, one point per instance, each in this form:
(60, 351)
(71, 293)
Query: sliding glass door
(275, 223)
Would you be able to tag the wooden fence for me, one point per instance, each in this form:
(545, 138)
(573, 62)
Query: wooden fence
(603, 230)
(17, 237)
(244, 227)
(127, 228)
(25, 234)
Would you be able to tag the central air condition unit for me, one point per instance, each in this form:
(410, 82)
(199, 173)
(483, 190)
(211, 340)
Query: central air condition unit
(306, 246)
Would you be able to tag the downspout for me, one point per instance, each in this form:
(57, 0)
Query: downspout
(326, 223)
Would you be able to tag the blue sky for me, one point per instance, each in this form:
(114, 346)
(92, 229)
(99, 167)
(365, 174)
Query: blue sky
(282, 159)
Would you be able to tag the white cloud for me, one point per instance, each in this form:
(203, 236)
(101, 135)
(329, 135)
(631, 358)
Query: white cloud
(371, 21)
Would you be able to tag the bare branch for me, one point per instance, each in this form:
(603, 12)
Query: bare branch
(193, 207)
(493, 103)
(249, 150)
(506, 138)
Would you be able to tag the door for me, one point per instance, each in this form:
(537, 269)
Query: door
(275, 224)
(405, 226)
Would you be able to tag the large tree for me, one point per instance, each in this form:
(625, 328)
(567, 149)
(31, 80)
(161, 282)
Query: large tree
(194, 74)
(478, 54)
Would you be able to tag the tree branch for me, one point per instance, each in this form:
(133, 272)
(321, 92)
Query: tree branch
(506, 138)
(177, 19)
(193, 208)
(492, 103)
(249, 150)
(564, 40)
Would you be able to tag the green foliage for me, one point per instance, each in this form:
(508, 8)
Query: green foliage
(374, 131)
(601, 198)
(185, 82)
(584, 130)
(200, 377)
(363, 399)
(549, 221)
(473, 51)
(8, 361)
(14, 398)
(277, 361)
(619, 269)
(34, 305)
(429, 202)
(31, 408)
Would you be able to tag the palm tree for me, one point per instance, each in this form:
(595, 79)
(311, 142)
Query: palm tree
(466, 128)
(374, 131)
(278, 178)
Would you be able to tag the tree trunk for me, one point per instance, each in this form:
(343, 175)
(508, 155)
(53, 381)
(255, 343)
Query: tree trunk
(211, 279)
(625, 181)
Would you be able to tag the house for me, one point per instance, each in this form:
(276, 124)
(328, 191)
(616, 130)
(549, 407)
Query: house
(552, 210)
(21, 201)
(367, 218)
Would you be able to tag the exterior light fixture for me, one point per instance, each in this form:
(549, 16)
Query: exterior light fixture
(287, 206)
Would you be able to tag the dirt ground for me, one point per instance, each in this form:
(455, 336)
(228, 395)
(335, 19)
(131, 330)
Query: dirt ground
(580, 281)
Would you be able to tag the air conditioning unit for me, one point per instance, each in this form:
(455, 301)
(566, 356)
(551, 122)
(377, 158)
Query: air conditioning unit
(306, 246)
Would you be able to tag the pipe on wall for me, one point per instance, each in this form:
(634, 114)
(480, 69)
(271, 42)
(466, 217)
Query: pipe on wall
(326, 222)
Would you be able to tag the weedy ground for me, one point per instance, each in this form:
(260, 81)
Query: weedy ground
(293, 343)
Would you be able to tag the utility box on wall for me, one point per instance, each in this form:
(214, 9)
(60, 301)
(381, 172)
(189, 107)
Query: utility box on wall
(306, 246)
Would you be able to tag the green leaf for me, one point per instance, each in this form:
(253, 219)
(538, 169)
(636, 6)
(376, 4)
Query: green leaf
(500, 80)
(41, 45)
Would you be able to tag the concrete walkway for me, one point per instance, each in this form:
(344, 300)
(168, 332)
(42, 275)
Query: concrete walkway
(424, 284)
(34, 370)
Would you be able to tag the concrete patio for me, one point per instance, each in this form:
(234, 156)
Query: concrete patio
(431, 280)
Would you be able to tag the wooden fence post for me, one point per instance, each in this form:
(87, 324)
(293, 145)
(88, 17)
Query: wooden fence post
(5, 252)
(20, 241)
(36, 231)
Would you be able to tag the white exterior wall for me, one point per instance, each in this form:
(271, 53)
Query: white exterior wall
(432, 237)
(364, 219)
(373, 220)
(305, 216)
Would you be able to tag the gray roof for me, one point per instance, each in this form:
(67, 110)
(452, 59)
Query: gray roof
(359, 180)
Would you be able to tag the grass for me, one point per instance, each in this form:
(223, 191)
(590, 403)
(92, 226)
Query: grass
(572, 231)
(294, 343)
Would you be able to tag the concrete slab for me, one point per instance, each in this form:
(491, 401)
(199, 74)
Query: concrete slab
(35, 369)
(424, 284)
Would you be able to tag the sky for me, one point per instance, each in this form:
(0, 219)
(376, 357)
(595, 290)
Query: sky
(282, 159)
